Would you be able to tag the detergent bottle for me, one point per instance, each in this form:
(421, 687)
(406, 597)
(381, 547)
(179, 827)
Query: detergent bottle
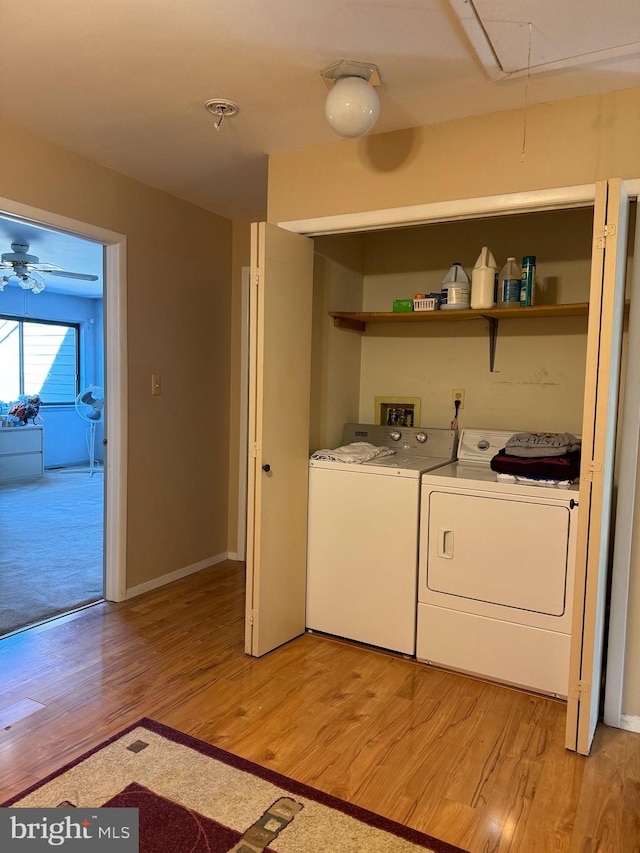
(456, 289)
(509, 283)
(528, 280)
(483, 280)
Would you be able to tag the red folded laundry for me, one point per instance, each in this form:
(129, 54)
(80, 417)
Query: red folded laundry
(565, 467)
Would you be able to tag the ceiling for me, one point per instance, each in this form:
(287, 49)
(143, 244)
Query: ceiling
(124, 82)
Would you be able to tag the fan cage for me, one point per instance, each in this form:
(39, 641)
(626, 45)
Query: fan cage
(91, 401)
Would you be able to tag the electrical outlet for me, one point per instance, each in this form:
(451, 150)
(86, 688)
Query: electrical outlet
(457, 394)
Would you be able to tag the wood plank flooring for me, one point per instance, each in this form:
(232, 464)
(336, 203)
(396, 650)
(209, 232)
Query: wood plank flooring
(476, 764)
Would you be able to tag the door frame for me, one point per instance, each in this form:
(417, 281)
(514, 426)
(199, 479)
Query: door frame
(628, 455)
(582, 195)
(115, 365)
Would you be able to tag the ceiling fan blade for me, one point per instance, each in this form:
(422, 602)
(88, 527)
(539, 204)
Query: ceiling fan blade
(64, 274)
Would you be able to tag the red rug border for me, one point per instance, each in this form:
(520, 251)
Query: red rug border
(278, 779)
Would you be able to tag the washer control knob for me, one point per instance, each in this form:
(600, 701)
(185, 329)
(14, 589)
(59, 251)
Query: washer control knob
(421, 437)
(395, 435)
(483, 444)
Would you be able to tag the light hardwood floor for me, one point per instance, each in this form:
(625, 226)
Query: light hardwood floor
(476, 764)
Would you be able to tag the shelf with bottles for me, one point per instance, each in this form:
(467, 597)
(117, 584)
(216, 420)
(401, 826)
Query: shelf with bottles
(358, 320)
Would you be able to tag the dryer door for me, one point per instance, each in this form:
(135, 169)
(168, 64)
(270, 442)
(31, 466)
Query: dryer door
(499, 550)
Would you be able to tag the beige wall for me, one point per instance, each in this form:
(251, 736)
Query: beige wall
(336, 357)
(568, 143)
(178, 326)
(538, 378)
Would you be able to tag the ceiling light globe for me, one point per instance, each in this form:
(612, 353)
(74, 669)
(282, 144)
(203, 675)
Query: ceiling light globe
(352, 106)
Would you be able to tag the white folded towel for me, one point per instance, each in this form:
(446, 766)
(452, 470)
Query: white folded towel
(357, 451)
(533, 481)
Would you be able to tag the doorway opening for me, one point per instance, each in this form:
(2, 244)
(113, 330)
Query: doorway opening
(52, 423)
(62, 512)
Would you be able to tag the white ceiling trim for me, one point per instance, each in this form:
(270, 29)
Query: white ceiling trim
(476, 33)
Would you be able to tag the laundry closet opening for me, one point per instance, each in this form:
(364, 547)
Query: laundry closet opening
(539, 371)
(533, 381)
(553, 367)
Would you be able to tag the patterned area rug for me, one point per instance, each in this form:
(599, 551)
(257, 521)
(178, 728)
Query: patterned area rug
(193, 797)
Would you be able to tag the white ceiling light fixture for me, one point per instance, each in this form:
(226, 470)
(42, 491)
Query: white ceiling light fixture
(222, 109)
(352, 106)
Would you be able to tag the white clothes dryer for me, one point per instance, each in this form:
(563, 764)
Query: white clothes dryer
(363, 526)
(496, 571)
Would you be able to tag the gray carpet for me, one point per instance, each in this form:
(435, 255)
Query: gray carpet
(51, 546)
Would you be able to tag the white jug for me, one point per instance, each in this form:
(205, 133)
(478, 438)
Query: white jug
(483, 280)
(456, 289)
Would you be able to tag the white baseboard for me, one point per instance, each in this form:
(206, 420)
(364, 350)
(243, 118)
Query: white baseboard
(630, 723)
(163, 580)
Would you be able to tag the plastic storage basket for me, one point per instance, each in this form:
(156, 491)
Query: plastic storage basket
(430, 303)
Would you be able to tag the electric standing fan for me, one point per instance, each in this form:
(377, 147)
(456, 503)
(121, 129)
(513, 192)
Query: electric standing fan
(90, 407)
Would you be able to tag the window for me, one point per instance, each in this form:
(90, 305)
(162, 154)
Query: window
(38, 357)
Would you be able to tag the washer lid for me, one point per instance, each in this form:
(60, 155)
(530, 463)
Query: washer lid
(481, 445)
(407, 462)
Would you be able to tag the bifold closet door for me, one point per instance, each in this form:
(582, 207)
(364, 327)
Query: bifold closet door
(606, 314)
(278, 451)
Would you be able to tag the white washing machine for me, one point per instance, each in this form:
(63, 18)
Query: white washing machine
(496, 571)
(363, 526)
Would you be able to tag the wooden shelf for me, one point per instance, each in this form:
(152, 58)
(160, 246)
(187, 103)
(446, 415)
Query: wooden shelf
(357, 320)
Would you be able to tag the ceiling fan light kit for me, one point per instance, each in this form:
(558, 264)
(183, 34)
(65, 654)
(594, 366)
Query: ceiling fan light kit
(352, 106)
(27, 281)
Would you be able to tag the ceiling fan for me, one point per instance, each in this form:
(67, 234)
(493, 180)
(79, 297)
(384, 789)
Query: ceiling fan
(19, 267)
